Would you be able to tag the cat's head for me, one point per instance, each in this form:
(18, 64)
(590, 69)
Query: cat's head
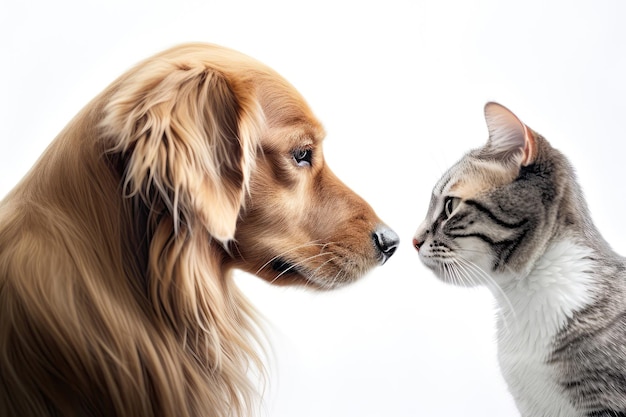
(494, 211)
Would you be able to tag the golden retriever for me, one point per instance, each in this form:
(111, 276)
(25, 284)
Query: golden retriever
(115, 249)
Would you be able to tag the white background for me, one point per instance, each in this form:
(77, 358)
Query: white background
(400, 87)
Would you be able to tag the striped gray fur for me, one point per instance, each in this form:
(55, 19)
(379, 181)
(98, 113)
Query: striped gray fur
(493, 219)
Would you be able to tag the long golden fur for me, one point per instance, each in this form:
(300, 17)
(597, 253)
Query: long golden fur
(116, 248)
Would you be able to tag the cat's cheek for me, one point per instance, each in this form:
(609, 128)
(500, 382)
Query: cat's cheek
(476, 252)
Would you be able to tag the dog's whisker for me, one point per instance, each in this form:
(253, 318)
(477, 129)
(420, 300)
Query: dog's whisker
(305, 245)
(317, 278)
(295, 265)
(292, 266)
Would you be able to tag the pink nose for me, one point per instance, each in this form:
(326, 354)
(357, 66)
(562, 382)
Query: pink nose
(416, 244)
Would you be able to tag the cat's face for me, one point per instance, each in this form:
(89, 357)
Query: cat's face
(489, 214)
(458, 238)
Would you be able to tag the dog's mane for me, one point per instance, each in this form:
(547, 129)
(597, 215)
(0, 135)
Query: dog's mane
(142, 298)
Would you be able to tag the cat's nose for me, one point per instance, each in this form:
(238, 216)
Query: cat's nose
(386, 241)
(417, 244)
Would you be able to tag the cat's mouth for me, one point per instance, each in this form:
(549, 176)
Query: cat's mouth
(436, 265)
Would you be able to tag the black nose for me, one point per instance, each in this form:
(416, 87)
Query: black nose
(386, 241)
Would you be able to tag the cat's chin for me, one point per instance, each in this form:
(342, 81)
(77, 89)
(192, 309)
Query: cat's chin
(458, 282)
(452, 274)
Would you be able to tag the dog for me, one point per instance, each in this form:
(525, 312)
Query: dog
(116, 249)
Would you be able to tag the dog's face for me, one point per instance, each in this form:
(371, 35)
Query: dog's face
(300, 223)
(232, 147)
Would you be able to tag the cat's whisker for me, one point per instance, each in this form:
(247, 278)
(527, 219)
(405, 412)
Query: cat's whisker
(448, 275)
(491, 283)
(468, 274)
(451, 273)
(459, 274)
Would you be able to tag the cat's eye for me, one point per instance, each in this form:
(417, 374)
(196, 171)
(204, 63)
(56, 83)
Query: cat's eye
(450, 205)
(303, 157)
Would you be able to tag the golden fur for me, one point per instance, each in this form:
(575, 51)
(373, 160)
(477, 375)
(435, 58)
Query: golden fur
(115, 250)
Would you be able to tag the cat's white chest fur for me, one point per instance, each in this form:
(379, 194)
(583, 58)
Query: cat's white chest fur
(535, 309)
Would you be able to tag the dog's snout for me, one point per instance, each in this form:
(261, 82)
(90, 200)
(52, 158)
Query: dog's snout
(386, 241)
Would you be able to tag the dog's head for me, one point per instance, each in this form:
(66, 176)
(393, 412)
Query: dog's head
(301, 224)
(222, 143)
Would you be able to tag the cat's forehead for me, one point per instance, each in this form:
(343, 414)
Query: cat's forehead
(472, 176)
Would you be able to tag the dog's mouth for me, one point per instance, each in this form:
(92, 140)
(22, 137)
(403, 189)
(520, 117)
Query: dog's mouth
(283, 266)
(322, 271)
(288, 273)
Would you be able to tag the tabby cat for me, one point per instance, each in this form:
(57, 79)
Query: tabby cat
(511, 216)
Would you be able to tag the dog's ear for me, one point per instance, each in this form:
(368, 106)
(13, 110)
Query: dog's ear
(188, 136)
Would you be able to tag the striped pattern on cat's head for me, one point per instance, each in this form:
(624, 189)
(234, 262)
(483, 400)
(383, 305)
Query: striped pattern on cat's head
(495, 210)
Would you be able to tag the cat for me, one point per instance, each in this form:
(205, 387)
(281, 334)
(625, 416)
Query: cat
(511, 216)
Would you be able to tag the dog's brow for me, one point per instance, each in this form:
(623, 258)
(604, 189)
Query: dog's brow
(304, 137)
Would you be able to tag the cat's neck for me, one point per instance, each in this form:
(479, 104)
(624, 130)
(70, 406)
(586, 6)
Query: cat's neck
(539, 302)
(534, 308)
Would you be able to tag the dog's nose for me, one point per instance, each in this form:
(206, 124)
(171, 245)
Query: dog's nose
(386, 241)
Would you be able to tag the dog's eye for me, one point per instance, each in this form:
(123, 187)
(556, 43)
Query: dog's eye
(450, 205)
(302, 157)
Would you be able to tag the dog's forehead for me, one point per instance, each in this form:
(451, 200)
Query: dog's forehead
(297, 135)
(282, 103)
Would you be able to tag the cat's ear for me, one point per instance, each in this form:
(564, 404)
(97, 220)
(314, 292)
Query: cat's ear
(509, 138)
